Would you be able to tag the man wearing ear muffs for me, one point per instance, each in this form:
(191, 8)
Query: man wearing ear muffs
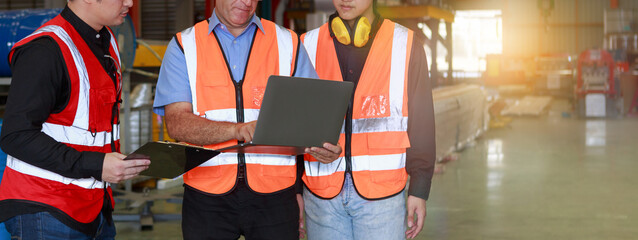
(388, 132)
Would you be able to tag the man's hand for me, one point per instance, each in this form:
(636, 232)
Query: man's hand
(415, 205)
(327, 154)
(115, 169)
(302, 230)
(244, 131)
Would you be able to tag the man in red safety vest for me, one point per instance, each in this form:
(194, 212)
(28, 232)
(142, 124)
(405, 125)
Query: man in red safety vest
(61, 127)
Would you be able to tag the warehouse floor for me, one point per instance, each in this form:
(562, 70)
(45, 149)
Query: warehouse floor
(547, 177)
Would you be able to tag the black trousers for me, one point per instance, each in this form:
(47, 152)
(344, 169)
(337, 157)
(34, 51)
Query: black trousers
(240, 212)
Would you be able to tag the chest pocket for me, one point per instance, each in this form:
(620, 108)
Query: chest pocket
(215, 91)
(101, 101)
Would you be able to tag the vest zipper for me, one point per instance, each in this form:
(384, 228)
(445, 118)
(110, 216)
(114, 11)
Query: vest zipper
(348, 133)
(239, 103)
(241, 167)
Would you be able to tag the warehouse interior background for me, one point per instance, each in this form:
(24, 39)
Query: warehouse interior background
(536, 109)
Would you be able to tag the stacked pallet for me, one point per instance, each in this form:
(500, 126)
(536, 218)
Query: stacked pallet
(528, 106)
(460, 114)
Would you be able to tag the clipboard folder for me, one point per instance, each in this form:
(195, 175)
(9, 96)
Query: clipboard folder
(170, 160)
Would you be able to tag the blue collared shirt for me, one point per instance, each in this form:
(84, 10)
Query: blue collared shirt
(173, 86)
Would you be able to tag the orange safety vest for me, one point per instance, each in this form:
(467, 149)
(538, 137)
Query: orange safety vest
(273, 52)
(84, 124)
(379, 117)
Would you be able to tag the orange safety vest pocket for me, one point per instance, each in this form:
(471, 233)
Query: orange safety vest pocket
(325, 186)
(205, 172)
(101, 110)
(382, 143)
(275, 171)
(214, 91)
(387, 157)
(396, 177)
(270, 178)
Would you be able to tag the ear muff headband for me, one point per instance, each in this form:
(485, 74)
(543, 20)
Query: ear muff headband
(361, 34)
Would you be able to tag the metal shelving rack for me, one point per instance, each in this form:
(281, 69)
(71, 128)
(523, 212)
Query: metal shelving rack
(431, 16)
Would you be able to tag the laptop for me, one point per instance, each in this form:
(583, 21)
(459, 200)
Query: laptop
(297, 113)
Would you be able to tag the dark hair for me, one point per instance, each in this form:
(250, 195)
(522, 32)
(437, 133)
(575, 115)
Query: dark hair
(374, 8)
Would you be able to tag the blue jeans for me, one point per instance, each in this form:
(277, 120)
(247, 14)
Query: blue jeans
(43, 225)
(348, 216)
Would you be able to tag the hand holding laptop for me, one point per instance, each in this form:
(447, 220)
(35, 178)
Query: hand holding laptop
(244, 131)
(327, 154)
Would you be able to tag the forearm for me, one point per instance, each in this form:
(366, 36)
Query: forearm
(420, 179)
(421, 156)
(40, 150)
(185, 126)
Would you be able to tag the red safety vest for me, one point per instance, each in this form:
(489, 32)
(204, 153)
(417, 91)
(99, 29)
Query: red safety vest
(213, 91)
(84, 124)
(379, 118)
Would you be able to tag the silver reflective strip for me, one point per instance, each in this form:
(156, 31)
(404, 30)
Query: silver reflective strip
(25, 168)
(268, 159)
(190, 53)
(317, 169)
(221, 159)
(285, 47)
(251, 115)
(310, 42)
(82, 113)
(230, 115)
(119, 60)
(264, 159)
(116, 48)
(387, 124)
(378, 162)
(397, 69)
(78, 136)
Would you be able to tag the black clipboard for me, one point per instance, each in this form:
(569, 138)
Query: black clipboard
(170, 160)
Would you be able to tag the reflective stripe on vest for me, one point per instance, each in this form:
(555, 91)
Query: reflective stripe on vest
(25, 168)
(273, 52)
(379, 124)
(81, 119)
(84, 124)
(75, 136)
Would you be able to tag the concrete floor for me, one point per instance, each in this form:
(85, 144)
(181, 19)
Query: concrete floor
(547, 177)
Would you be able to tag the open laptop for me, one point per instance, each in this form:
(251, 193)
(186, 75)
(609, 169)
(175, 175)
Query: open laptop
(297, 113)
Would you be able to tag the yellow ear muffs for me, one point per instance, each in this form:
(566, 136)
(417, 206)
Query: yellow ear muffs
(361, 32)
(340, 31)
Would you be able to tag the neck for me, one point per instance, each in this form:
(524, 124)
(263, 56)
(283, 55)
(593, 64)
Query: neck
(82, 12)
(368, 13)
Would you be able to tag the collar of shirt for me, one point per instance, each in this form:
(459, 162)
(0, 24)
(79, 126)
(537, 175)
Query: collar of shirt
(98, 42)
(215, 23)
(101, 39)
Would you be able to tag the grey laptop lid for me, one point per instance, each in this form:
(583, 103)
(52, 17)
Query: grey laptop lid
(297, 113)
